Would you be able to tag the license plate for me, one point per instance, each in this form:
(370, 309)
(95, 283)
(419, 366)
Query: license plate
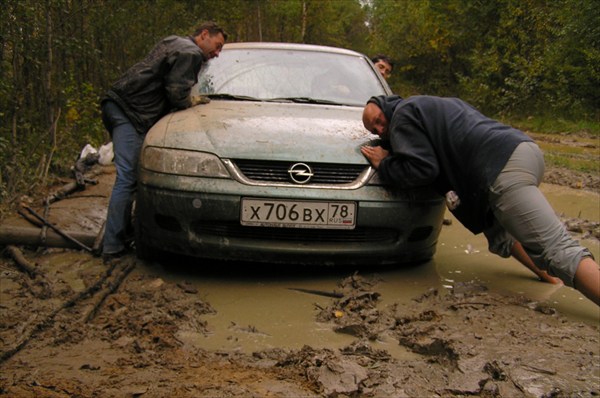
(298, 214)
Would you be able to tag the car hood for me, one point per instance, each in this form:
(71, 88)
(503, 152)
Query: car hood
(266, 131)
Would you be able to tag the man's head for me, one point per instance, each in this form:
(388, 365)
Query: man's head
(210, 37)
(384, 65)
(375, 121)
(378, 112)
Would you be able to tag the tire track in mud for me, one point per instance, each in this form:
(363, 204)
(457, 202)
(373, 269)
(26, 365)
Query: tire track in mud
(108, 282)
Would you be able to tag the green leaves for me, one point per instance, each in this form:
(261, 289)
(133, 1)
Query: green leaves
(505, 56)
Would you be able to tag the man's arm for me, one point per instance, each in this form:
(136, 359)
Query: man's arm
(180, 79)
(519, 253)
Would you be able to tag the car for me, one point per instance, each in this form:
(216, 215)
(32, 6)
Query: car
(268, 168)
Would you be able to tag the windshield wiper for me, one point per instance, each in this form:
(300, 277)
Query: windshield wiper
(306, 100)
(303, 100)
(231, 97)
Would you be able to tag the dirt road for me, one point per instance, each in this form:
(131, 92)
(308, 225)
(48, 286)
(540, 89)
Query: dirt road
(75, 327)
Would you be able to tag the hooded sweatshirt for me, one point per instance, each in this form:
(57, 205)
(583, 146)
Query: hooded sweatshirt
(446, 143)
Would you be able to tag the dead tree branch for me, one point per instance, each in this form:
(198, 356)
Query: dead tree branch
(22, 262)
(39, 287)
(57, 230)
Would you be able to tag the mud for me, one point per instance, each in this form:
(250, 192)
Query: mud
(81, 328)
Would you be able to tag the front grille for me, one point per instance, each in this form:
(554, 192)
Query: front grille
(300, 235)
(277, 171)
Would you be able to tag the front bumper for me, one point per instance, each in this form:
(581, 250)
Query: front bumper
(390, 228)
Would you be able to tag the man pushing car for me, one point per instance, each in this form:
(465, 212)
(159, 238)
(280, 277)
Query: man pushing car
(490, 174)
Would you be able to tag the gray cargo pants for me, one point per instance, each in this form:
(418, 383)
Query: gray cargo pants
(522, 213)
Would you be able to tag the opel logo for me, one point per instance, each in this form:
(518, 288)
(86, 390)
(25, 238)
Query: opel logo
(300, 173)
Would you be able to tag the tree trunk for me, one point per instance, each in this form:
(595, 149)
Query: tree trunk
(259, 21)
(304, 18)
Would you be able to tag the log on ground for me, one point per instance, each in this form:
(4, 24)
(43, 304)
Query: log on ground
(17, 235)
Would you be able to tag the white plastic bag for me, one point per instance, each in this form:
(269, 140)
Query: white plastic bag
(86, 151)
(106, 154)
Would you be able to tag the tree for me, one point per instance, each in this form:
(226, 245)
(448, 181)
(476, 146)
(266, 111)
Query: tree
(505, 56)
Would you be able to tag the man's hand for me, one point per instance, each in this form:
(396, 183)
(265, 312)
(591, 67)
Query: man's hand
(199, 99)
(374, 154)
(546, 277)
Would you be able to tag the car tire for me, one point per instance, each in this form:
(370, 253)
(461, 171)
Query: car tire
(143, 251)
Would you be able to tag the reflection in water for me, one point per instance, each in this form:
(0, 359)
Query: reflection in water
(256, 309)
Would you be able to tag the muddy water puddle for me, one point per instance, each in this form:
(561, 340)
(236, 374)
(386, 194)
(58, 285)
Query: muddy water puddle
(257, 308)
(573, 202)
(262, 308)
(463, 257)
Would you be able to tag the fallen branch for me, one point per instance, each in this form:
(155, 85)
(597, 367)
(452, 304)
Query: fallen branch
(30, 236)
(42, 235)
(30, 219)
(22, 262)
(63, 192)
(317, 292)
(45, 217)
(39, 287)
(85, 196)
(57, 230)
(73, 187)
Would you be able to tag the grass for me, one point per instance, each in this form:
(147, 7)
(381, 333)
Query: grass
(571, 152)
(573, 145)
(557, 125)
(558, 160)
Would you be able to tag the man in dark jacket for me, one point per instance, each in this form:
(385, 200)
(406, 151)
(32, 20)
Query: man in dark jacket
(159, 84)
(489, 173)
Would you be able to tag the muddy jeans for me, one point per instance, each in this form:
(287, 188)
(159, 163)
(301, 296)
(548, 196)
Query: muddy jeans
(522, 213)
(127, 143)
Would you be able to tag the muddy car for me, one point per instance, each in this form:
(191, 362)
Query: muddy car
(268, 167)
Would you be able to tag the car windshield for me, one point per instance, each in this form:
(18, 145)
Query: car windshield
(289, 75)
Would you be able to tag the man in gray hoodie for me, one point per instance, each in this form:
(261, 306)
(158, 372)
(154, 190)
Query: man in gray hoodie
(157, 85)
(489, 173)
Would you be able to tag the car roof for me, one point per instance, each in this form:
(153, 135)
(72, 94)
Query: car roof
(291, 46)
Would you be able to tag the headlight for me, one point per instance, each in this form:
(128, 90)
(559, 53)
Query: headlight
(189, 163)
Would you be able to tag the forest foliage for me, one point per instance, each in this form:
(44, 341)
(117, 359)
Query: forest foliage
(507, 57)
